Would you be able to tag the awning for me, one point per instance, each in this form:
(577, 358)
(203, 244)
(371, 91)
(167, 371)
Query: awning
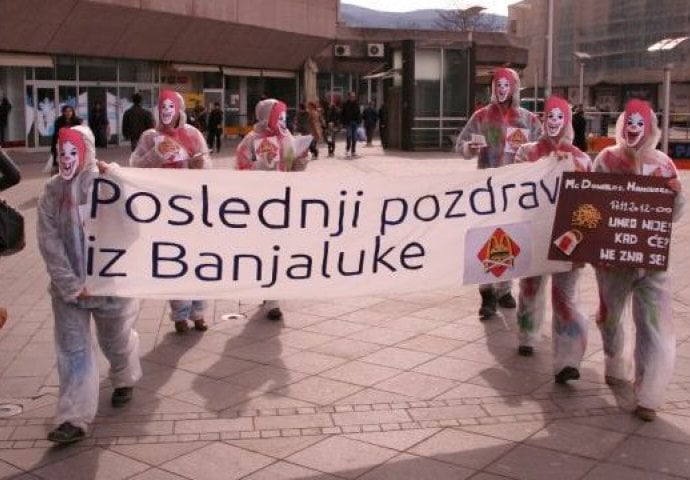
(278, 74)
(382, 75)
(192, 67)
(241, 72)
(19, 60)
(253, 72)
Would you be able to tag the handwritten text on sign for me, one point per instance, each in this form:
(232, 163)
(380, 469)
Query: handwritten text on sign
(226, 234)
(614, 219)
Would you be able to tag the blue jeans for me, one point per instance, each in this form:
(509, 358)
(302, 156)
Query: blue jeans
(351, 137)
(181, 310)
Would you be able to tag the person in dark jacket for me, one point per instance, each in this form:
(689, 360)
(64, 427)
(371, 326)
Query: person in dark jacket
(67, 119)
(382, 127)
(136, 121)
(370, 119)
(98, 123)
(580, 129)
(9, 176)
(5, 108)
(351, 117)
(215, 127)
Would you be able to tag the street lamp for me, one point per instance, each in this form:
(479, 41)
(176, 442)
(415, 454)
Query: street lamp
(665, 45)
(581, 58)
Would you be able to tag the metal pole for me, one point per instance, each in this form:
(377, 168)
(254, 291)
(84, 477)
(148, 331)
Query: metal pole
(582, 83)
(549, 51)
(667, 106)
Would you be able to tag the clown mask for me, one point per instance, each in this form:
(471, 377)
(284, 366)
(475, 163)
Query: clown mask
(70, 163)
(634, 129)
(502, 89)
(555, 121)
(637, 122)
(168, 112)
(282, 121)
(72, 153)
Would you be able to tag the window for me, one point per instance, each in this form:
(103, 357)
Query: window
(66, 68)
(135, 72)
(97, 70)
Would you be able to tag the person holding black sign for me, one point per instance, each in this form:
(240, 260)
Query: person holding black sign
(569, 322)
(637, 135)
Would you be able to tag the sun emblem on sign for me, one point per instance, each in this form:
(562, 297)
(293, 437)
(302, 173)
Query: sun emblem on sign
(499, 252)
(517, 138)
(587, 216)
(267, 150)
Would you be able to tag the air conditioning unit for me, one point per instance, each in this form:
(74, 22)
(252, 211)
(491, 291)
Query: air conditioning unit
(375, 50)
(342, 51)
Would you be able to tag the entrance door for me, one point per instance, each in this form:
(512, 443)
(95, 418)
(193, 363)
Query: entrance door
(41, 112)
(106, 98)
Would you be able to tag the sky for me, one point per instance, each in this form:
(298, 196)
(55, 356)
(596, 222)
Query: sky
(492, 6)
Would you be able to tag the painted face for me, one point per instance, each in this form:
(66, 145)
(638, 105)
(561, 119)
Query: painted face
(168, 111)
(502, 89)
(554, 122)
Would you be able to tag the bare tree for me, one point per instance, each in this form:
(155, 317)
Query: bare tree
(466, 20)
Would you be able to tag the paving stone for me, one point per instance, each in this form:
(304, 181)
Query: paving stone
(217, 461)
(342, 457)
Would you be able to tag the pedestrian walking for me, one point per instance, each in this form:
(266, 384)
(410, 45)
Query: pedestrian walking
(351, 117)
(635, 153)
(136, 121)
(569, 325)
(370, 117)
(5, 109)
(175, 144)
(215, 127)
(61, 241)
(493, 134)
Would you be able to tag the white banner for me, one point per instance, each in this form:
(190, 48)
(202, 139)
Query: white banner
(169, 233)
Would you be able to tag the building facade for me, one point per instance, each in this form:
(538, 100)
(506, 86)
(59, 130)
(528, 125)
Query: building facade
(614, 36)
(234, 52)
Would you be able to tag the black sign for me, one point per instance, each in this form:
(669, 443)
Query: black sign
(622, 220)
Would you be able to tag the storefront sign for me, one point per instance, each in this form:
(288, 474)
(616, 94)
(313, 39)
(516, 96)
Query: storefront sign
(613, 219)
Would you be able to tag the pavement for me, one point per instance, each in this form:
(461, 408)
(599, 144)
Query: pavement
(372, 388)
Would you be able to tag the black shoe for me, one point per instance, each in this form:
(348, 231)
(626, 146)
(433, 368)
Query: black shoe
(200, 325)
(121, 396)
(488, 308)
(644, 413)
(181, 327)
(66, 433)
(274, 314)
(568, 373)
(525, 350)
(507, 301)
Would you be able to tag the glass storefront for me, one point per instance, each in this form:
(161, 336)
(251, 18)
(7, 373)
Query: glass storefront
(442, 93)
(82, 83)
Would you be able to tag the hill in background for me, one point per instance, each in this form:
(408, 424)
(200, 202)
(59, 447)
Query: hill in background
(354, 16)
